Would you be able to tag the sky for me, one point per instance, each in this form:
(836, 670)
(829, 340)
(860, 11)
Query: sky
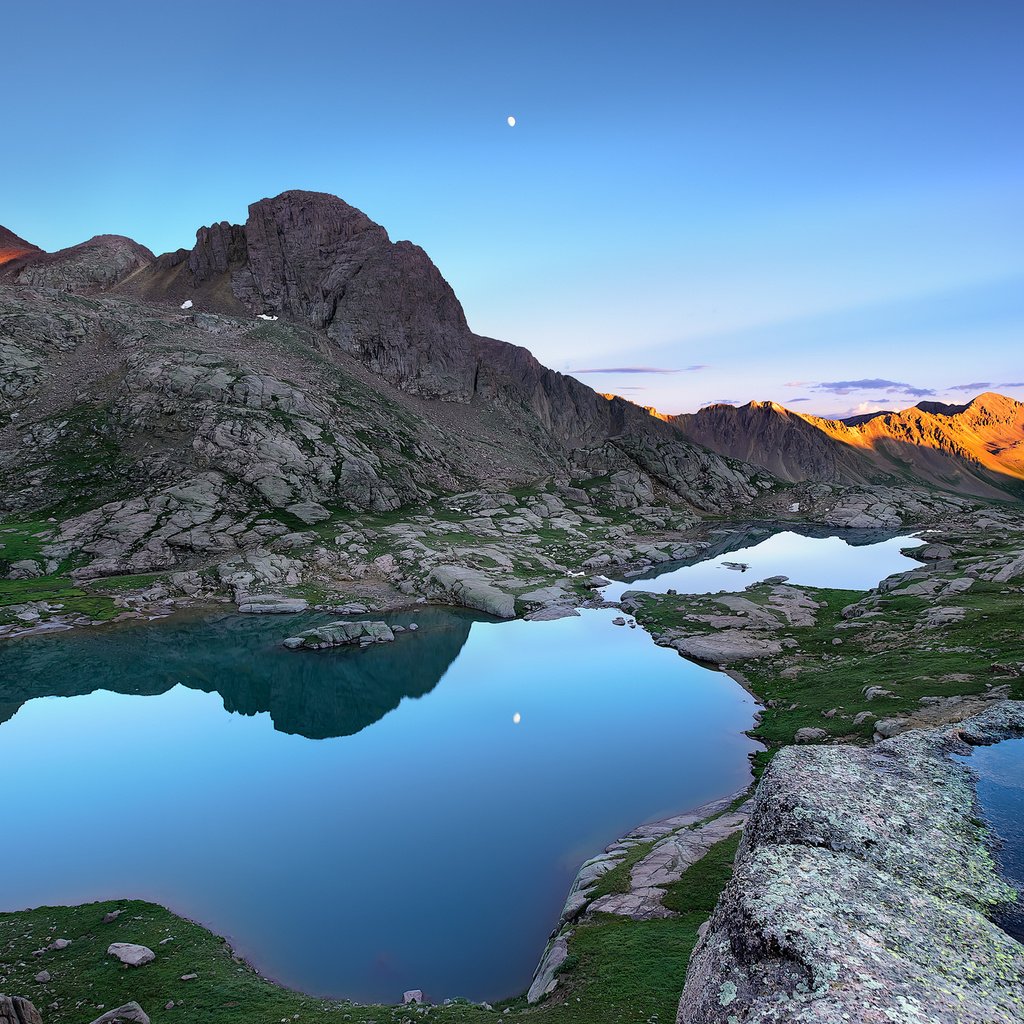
(820, 204)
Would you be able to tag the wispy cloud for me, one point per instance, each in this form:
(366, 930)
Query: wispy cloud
(641, 369)
(720, 401)
(846, 387)
(982, 385)
(793, 401)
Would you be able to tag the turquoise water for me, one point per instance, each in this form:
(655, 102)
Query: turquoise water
(363, 822)
(855, 561)
(1000, 785)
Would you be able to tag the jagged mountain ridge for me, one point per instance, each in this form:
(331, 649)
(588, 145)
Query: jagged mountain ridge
(976, 448)
(160, 436)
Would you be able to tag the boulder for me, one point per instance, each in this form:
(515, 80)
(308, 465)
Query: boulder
(16, 1010)
(810, 735)
(271, 604)
(340, 634)
(130, 953)
(472, 588)
(130, 1013)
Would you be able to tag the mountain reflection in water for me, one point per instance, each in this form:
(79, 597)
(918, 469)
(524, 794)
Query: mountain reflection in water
(316, 694)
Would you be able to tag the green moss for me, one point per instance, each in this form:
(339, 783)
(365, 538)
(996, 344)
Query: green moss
(56, 590)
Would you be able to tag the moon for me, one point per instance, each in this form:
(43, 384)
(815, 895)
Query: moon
(517, 718)
(511, 121)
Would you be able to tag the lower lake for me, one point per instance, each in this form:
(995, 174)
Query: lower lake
(362, 822)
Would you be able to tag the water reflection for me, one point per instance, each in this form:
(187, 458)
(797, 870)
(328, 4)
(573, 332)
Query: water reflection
(313, 694)
(855, 561)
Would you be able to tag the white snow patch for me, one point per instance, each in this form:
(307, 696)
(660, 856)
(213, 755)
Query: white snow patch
(187, 304)
(266, 316)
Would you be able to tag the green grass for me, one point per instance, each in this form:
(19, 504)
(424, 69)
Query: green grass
(623, 970)
(56, 590)
(23, 541)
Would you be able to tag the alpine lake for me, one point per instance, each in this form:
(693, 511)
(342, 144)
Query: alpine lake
(360, 822)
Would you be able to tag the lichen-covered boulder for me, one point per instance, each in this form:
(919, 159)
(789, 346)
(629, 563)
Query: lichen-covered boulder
(341, 634)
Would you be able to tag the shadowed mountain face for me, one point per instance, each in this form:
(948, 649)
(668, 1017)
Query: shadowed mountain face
(976, 448)
(313, 694)
(299, 365)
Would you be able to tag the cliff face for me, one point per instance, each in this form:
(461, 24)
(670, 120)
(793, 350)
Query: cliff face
(977, 448)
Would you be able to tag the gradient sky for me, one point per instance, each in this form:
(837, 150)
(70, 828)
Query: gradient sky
(820, 203)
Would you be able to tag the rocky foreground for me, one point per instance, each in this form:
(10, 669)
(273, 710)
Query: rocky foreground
(860, 892)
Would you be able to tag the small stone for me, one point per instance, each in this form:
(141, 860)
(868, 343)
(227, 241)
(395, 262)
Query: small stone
(59, 944)
(43, 977)
(189, 977)
(112, 915)
(414, 995)
(810, 735)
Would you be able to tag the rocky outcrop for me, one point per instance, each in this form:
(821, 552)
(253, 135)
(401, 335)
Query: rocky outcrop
(861, 889)
(12, 247)
(340, 634)
(661, 852)
(93, 266)
(17, 1010)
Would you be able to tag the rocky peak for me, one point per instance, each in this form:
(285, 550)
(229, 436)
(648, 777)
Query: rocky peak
(95, 265)
(13, 247)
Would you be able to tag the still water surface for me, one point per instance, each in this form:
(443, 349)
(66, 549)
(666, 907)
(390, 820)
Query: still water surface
(1000, 786)
(362, 822)
(852, 562)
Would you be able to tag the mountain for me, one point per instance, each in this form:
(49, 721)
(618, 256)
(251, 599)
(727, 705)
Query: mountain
(177, 411)
(13, 248)
(976, 448)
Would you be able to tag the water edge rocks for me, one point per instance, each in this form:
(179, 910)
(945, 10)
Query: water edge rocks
(860, 892)
(340, 634)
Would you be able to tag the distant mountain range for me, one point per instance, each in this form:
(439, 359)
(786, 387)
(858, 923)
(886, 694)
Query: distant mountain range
(976, 448)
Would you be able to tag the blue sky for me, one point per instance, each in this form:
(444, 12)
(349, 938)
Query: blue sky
(767, 199)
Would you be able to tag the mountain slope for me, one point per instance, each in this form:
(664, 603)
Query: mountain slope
(986, 435)
(318, 371)
(976, 449)
(13, 248)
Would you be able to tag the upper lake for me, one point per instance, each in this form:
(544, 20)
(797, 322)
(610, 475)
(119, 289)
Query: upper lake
(362, 822)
